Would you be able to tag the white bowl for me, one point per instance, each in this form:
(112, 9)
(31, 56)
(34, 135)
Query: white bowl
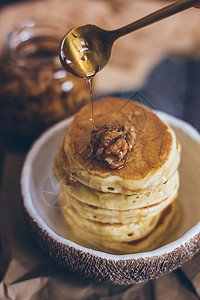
(40, 194)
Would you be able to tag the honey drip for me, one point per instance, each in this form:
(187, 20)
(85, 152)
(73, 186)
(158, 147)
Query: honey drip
(89, 81)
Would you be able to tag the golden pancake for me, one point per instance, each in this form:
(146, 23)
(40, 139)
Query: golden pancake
(153, 159)
(115, 232)
(168, 222)
(115, 216)
(107, 199)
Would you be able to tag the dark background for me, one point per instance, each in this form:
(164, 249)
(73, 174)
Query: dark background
(173, 87)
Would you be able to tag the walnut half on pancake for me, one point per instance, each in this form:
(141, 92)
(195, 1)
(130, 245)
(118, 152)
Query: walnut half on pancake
(115, 175)
(111, 144)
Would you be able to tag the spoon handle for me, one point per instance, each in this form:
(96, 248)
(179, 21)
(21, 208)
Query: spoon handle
(154, 17)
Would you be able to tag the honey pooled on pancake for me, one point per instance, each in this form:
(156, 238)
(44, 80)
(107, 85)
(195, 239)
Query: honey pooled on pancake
(125, 177)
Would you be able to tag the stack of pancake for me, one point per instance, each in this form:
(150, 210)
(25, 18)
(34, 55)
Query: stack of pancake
(123, 209)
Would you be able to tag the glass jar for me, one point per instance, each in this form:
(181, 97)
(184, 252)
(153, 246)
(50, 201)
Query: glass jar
(35, 90)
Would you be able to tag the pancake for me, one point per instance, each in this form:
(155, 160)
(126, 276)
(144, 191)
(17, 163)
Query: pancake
(166, 225)
(98, 214)
(107, 199)
(118, 181)
(130, 230)
(152, 161)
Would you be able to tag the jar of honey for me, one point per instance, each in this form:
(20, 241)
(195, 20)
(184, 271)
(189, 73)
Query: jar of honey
(35, 89)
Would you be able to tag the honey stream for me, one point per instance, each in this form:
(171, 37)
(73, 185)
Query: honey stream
(89, 82)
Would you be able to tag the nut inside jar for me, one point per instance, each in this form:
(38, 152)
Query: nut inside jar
(35, 90)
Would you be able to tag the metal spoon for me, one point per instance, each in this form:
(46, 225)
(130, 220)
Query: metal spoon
(86, 49)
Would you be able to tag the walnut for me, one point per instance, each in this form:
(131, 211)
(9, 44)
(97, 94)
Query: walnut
(111, 144)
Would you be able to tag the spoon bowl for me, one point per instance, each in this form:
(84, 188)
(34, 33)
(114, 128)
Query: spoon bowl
(85, 50)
